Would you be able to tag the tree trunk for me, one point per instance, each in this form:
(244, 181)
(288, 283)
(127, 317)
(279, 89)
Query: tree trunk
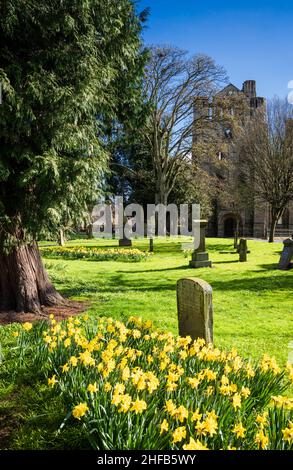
(161, 195)
(89, 231)
(61, 238)
(24, 283)
(275, 215)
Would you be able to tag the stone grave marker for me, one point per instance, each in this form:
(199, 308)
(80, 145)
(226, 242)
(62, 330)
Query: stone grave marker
(243, 250)
(287, 255)
(200, 258)
(125, 241)
(195, 309)
(151, 245)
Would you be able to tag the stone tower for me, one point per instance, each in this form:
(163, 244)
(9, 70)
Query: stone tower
(242, 104)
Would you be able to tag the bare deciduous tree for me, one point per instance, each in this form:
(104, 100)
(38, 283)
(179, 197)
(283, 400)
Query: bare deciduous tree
(172, 82)
(266, 146)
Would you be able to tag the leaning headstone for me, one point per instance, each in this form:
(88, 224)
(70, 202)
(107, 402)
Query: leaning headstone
(195, 309)
(200, 258)
(243, 250)
(287, 255)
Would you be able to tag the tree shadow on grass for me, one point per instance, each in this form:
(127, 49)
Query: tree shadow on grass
(226, 261)
(119, 284)
(256, 284)
(78, 291)
(218, 247)
(176, 268)
(171, 247)
(268, 267)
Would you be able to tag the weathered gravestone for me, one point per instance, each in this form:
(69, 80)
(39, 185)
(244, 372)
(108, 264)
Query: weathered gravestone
(151, 245)
(195, 309)
(125, 241)
(200, 258)
(243, 250)
(287, 255)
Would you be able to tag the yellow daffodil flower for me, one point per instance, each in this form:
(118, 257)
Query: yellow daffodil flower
(236, 401)
(196, 415)
(80, 410)
(27, 326)
(239, 430)
(194, 445)
(52, 381)
(67, 342)
(65, 368)
(73, 361)
(164, 426)
(288, 433)
(179, 434)
(261, 439)
(138, 406)
(92, 388)
(107, 387)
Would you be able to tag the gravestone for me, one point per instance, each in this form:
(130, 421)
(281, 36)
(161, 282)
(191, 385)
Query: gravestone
(243, 250)
(125, 242)
(200, 258)
(195, 309)
(151, 245)
(287, 255)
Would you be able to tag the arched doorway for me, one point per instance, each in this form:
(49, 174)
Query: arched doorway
(229, 226)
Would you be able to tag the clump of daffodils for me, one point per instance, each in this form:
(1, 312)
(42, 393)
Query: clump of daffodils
(96, 254)
(133, 387)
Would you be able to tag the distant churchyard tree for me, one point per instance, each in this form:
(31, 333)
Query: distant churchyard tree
(172, 82)
(66, 67)
(266, 145)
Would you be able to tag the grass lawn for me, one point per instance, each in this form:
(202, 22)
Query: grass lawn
(253, 302)
(252, 311)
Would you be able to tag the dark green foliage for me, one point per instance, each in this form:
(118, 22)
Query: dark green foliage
(67, 69)
(132, 173)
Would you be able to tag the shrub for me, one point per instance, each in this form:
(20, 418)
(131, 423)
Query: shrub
(132, 387)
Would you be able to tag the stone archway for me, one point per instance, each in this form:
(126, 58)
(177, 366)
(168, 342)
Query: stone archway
(228, 225)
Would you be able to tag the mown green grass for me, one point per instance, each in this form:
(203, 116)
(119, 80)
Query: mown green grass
(253, 307)
(253, 301)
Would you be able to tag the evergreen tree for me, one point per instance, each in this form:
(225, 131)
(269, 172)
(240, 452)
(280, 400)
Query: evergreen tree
(66, 68)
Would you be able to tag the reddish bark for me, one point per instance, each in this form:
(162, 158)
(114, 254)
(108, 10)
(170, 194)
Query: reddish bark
(24, 283)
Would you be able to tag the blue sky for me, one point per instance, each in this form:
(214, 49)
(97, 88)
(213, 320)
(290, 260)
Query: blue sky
(252, 39)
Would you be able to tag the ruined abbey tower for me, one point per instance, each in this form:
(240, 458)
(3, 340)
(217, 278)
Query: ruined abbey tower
(252, 219)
